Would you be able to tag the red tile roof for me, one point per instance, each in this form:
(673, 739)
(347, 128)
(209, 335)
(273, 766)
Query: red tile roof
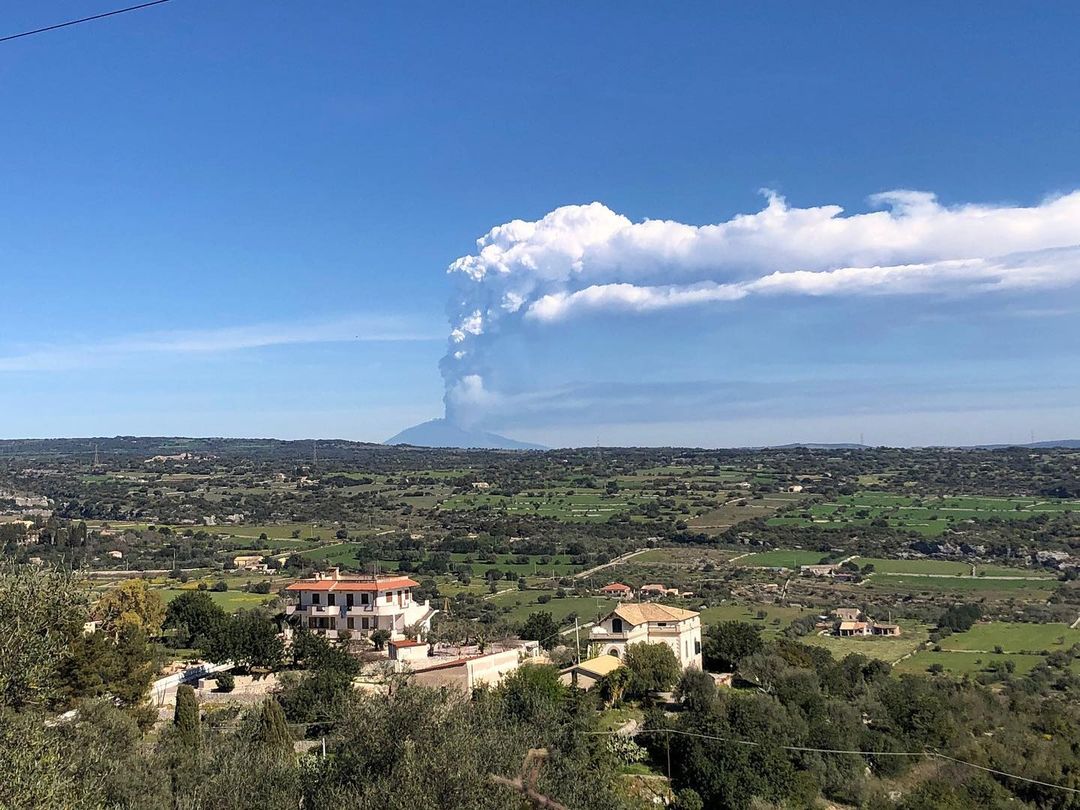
(345, 584)
(616, 586)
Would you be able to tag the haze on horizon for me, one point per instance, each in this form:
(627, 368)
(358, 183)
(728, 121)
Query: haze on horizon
(274, 243)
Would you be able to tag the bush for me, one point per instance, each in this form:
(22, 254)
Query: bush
(220, 586)
(226, 682)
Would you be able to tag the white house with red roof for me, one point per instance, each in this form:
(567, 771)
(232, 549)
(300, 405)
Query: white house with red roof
(330, 604)
(617, 590)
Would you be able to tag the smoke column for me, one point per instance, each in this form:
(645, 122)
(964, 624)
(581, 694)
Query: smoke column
(582, 261)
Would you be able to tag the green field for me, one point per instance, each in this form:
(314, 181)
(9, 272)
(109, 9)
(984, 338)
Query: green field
(1005, 571)
(914, 566)
(228, 600)
(930, 515)
(781, 558)
(776, 617)
(886, 648)
(909, 584)
(960, 663)
(1013, 637)
(522, 603)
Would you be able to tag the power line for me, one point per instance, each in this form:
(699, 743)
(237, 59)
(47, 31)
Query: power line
(82, 20)
(804, 748)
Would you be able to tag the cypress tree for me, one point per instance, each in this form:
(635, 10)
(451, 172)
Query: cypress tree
(186, 716)
(272, 728)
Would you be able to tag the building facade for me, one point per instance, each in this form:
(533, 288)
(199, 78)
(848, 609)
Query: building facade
(650, 623)
(329, 605)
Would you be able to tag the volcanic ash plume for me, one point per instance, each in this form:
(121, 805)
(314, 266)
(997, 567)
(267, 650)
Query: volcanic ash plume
(586, 260)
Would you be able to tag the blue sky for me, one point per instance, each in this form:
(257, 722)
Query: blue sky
(236, 218)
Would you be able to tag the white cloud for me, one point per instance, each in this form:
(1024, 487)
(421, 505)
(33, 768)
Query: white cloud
(57, 357)
(587, 259)
(1039, 270)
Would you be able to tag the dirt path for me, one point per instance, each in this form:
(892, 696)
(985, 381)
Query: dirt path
(616, 561)
(961, 576)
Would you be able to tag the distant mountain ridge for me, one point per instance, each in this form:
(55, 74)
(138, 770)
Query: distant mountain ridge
(1067, 444)
(1064, 444)
(433, 434)
(441, 433)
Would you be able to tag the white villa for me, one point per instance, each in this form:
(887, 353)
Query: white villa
(650, 623)
(329, 604)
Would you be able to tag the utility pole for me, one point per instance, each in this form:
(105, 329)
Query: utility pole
(577, 643)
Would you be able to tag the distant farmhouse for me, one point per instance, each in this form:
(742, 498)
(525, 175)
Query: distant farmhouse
(656, 591)
(828, 570)
(249, 562)
(850, 622)
(616, 590)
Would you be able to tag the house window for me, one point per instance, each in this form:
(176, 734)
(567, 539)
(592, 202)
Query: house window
(331, 599)
(697, 647)
(363, 599)
(616, 625)
(348, 600)
(686, 649)
(364, 623)
(349, 623)
(314, 599)
(389, 597)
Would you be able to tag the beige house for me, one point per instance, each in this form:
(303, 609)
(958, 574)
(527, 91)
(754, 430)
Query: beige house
(884, 629)
(331, 604)
(248, 561)
(656, 590)
(853, 629)
(847, 614)
(650, 623)
(586, 674)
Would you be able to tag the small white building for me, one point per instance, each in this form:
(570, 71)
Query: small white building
(650, 623)
(331, 604)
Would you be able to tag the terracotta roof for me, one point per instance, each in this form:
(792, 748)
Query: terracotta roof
(616, 586)
(407, 642)
(651, 612)
(653, 588)
(852, 625)
(329, 584)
